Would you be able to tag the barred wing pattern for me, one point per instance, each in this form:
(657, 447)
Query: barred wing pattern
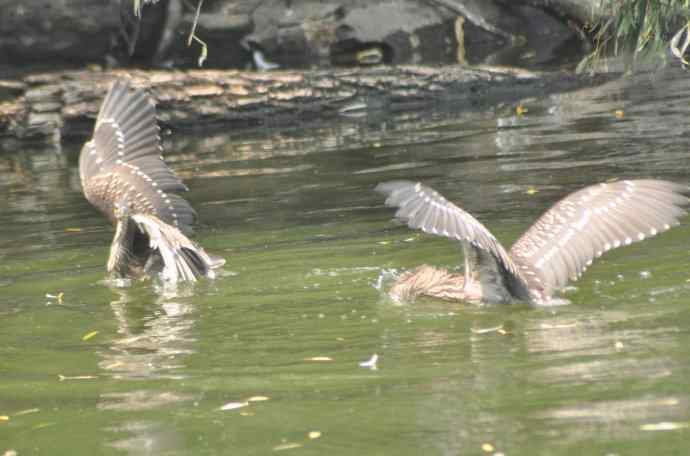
(582, 226)
(122, 161)
(423, 208)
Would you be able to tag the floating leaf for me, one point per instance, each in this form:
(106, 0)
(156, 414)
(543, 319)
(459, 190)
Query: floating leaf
(73, 230)
(665, 426)
(488, 447)
(487, 330)
(313, 435)
(620, 113)
(89, 335)
(258, 399)
(531, 191)
(234, 405)
(520, 109)
(287, 446)
(319, 358)
(58, 296)
(4, 418)
(43, 425)
(62, 378)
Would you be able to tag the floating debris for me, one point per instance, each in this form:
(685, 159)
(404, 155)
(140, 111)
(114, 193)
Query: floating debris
(57, 297)
(487, 330)
(43, 425)
(665, 426)
(557, 326)
(313, 435)
(27, 411)
(258, 399)
(319, 358)
(4, 418)
(371, 362)
(287, 446)
(62, 378)
(619, 113)
(90, 335)
(531, 191)
(234, 405)
(520, 110)
(487, 447)
(73, 230)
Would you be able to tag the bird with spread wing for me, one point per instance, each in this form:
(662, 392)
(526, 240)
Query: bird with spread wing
(557, 248)
(124, 176)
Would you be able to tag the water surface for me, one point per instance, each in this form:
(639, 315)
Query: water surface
(146, 370)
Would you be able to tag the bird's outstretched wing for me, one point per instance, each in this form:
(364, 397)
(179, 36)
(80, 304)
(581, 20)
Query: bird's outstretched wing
(182, 260)
(122, 161)
(423, 208)
(585, 224)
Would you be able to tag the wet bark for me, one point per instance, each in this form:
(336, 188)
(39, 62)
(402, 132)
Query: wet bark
(50, 106)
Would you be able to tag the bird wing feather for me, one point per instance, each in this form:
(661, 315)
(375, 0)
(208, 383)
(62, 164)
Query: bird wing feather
(423, 208)
(564, 241)
(122, 160)
(182, 259)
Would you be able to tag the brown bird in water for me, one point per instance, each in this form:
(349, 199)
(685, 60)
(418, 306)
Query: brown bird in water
(124, 176)
(557, 248)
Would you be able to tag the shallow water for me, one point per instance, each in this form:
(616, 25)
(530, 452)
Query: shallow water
(296, 309)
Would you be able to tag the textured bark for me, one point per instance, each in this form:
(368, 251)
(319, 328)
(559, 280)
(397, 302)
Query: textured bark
(52, 105)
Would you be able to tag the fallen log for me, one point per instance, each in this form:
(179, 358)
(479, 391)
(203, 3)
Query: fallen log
(50, 106)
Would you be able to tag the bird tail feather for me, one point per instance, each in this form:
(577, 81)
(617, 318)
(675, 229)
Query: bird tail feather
(182, 259)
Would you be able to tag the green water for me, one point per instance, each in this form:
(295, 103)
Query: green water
(307, 245)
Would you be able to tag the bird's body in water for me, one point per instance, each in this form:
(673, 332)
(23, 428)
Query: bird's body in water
(557, 248)
(124, 176)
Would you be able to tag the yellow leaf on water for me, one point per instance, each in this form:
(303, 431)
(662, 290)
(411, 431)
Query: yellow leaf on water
(620, 113)
(531, 191)
(4, 418)
(520, 109)
(665, 426)
(319, 358)
(488, 447)
(314, 435)
(258, 399)
(89, 335)
(73, 230)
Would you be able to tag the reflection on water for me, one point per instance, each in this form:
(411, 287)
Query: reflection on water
(151, 345)
(309, 249)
